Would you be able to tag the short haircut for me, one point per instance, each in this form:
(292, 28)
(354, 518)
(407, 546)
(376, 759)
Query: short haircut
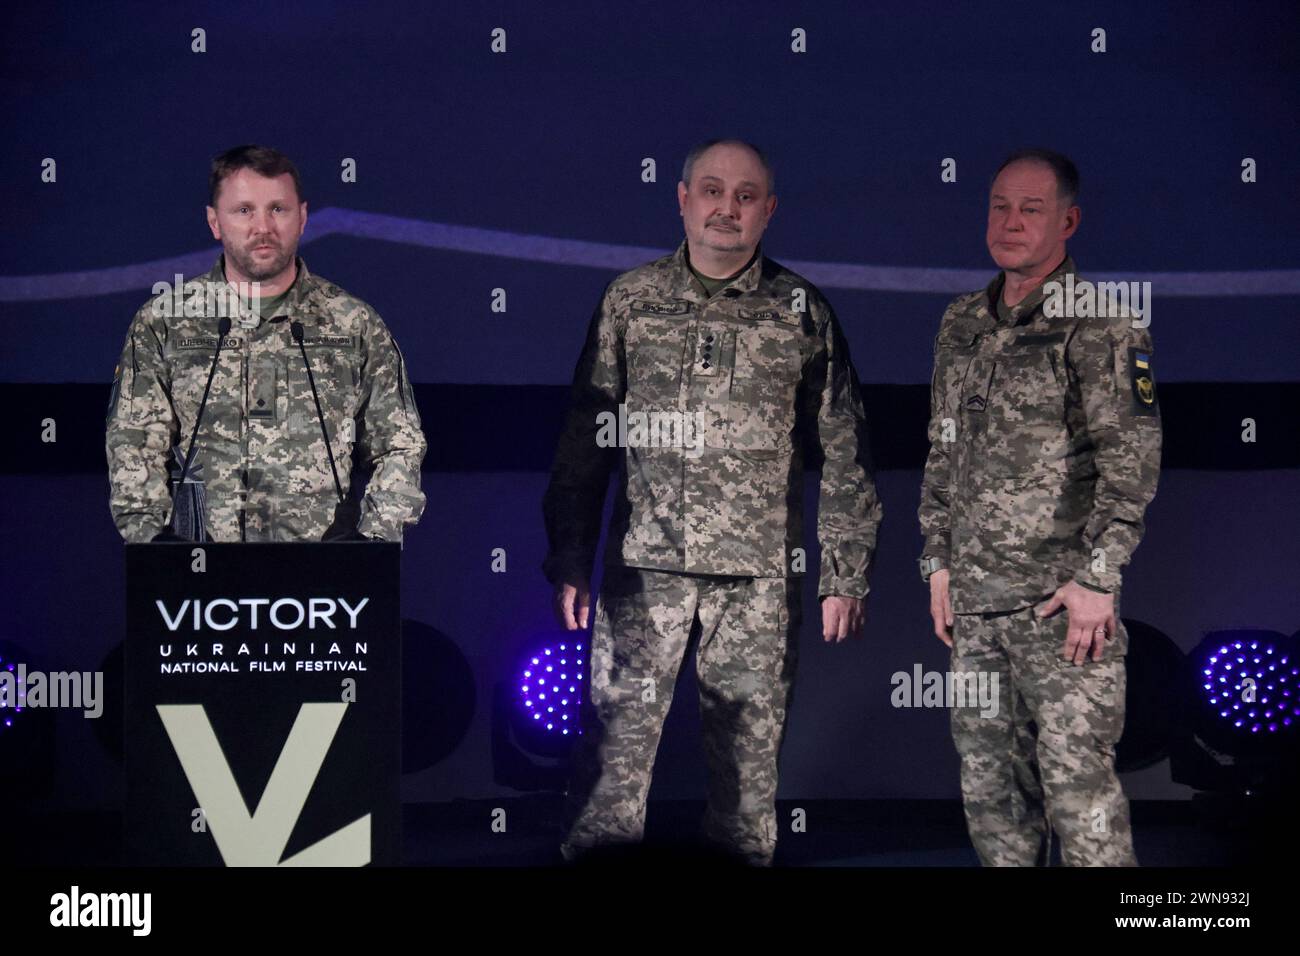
(260, 159)
(1067, 174)
(700, 149)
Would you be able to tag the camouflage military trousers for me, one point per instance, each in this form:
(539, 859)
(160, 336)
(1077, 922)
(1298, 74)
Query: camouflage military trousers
(1045, 762)
(744, 663)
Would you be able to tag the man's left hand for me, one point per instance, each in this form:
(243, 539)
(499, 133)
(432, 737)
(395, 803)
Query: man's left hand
(1091, 617)
(841, 616)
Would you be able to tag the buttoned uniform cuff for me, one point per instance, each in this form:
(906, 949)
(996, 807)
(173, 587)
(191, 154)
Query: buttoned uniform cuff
(1095, 582)
(831, 584)
(839, 579)
(140, 529)
(372, 526)
(1105, 582)
(938, 546)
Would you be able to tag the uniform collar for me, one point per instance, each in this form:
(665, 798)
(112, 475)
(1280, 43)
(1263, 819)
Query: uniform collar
(303, 283)
(747, 281)
(1025, 308)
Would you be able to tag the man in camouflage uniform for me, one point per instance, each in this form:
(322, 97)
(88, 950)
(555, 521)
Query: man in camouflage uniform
(262, 456)
(749, 359)
(1044, 453)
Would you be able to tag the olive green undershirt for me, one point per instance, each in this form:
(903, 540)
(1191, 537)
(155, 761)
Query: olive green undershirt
(270, 303)
(712, 285)
(1004, 310)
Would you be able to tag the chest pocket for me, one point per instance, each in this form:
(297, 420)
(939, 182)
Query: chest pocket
(769, 362)
(189, 374)
(1026, 428)
(655, 346)
(1029, 381)
(954, 352)
(336, 373)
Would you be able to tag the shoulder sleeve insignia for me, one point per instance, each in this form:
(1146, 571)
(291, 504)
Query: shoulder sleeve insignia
(1143, 379)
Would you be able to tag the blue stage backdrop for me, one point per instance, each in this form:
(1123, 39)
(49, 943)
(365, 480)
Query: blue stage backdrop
(525, 170)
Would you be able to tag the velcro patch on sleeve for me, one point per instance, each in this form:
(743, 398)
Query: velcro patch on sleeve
(1142, 377)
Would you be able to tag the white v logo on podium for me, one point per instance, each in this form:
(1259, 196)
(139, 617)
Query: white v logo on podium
(259, 839)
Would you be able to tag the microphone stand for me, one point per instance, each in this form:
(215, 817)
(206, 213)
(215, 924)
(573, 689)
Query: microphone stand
(168, 533)
(344, 526)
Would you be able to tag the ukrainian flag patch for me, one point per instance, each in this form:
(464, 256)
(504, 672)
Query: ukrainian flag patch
(1144, 383)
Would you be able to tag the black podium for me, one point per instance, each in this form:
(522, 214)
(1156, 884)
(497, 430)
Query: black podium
(263, 704)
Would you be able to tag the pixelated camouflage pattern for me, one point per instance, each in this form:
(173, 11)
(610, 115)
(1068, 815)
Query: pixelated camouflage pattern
(1047, 758)
(764, 375)
(1055, 453)
(264, 461)
(744, 661)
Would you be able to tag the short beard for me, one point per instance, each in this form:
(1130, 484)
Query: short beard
(256, 273)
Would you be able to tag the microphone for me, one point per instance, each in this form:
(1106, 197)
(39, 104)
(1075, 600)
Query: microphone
(168, 533)
(344, 526)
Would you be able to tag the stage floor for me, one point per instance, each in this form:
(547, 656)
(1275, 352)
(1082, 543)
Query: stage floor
(872, 833)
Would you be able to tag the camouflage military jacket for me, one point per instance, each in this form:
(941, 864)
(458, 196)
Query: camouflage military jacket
(263, 460)
(1044, 449)
(755, 369)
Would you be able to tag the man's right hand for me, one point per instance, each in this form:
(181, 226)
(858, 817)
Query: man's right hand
(572, 602)
(940, 606)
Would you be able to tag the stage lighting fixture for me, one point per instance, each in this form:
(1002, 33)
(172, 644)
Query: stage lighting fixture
(1242, 726)
(12, 694)
(550, 690)
(26, 733)
(1248, 684)
(536, 714)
